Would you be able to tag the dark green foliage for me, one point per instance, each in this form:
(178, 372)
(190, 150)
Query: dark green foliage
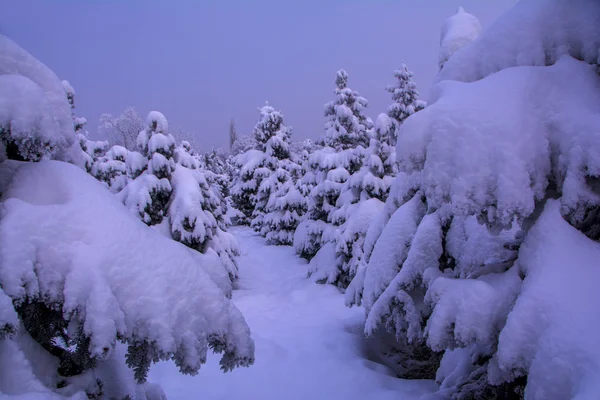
(47, 325)
(140, 355)
(29, 148)
(155, 209)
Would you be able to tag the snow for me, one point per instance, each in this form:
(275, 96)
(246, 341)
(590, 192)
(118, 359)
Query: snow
(509, 156)
(391, 250)
(467, 311)
(533, 32)
(24, 113)
(156, 122)
(552, 329)
(308, 345)
(138, 194)
(68, 89)
(37, 87)
(68, 240)
(457, 31)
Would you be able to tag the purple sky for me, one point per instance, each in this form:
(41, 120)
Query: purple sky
(202, 62)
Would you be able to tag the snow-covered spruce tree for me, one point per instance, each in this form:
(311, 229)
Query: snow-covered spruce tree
(405, 97)
(362, 198)
(286, 207)
(242, 144)
(457, 31)
(198, 211)
(486, 232)
(244, 188)
(111, 169)
(381, 167)
(79, 311)
(149, 193)
(273, 140)
(92, 150)
(78, 122)
(347, 126)
(215, 161)
(347, 136)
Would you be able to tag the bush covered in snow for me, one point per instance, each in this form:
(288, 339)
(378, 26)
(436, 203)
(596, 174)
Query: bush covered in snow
(83, 275)
(469, 262)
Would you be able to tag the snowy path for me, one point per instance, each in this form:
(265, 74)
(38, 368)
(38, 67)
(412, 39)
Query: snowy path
(307, 341)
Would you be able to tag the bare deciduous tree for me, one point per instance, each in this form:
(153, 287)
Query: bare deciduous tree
(124, 129)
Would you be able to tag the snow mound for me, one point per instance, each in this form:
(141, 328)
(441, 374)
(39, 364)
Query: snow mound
(533, 32)
(457, 31)
(67, 240)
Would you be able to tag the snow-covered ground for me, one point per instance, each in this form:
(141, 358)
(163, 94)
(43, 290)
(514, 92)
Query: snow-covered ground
(308, 344)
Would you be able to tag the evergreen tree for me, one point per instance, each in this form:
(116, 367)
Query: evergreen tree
(347, 136)
(111, 169)
(362, 198)
(242, 144)
(150, 192)
(346, 127)
(273, 139)
(286, 206)
(405, 97)
(91, 150)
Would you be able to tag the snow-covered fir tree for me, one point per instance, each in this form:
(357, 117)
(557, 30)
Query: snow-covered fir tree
(242, 144)
(111, 169)
(259, 170)
(362, 197)
(347, 126)
(405, 97)
(198, 209)
(167, 185)
(99, 298)
(273, 140)
(377, 175)
(215, 161)
(457, 31)
(92, 150)
(150, 192)
(286, 206)
(347, 137)
(483, 239)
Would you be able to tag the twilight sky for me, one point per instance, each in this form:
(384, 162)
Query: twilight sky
(202, 62)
